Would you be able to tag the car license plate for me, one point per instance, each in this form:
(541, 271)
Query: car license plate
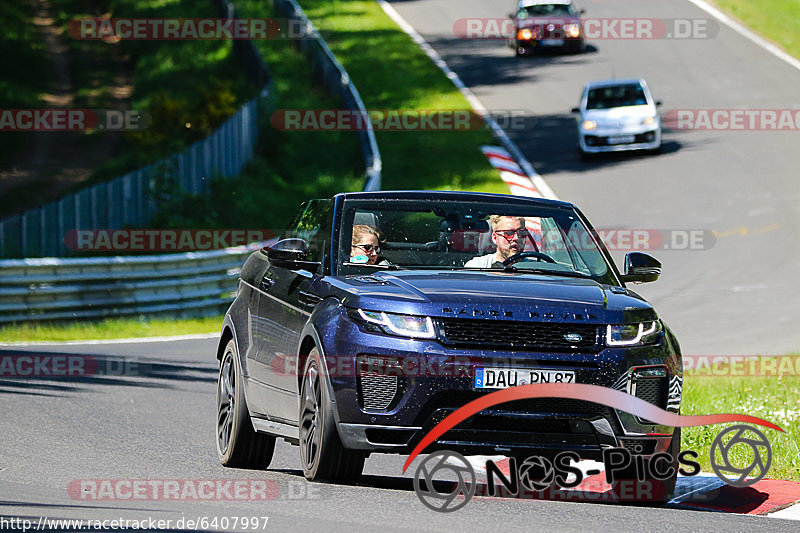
(622, 139)
(501, 378)
(552, 42)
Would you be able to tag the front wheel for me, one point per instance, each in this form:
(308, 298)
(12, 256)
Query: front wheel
(323, 456)
(238, 444)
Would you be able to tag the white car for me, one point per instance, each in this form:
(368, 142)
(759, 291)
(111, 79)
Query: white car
(618, 115)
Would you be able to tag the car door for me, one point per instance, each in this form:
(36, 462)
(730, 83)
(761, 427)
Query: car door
(286, 305)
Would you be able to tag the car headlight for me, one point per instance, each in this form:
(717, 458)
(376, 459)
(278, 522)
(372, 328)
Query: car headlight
(589, 125)
(572, 30)
(632, 334)
(418, 327)
(525, 34)
(648, 121)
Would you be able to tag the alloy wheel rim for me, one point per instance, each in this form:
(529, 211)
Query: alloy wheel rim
(226, 402)
(309, 427)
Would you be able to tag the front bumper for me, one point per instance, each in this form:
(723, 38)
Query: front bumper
(570, 43)
(598, 141)
(423, 397)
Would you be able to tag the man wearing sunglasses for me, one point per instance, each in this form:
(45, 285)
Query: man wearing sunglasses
(508, 235)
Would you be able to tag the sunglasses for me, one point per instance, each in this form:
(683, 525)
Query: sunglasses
(369, 248)
(509, 233)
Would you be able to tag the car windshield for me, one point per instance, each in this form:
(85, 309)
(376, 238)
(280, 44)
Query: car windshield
(457, 235)
(616, 96)
(544, 10)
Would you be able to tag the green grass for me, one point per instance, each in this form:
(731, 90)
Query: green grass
(776, 20)
(775, 399)
(195, 82)
(391, 72)
(116, 328)
(288, 167)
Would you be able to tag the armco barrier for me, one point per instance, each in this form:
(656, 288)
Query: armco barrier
(196, 283)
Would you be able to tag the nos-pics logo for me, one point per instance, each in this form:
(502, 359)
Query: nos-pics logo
(633, 476)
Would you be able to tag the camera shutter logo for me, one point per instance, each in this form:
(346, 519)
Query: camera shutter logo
(721, 461)
(445, 462)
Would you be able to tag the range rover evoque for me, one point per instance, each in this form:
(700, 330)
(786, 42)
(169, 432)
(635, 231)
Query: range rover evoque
(347, 349)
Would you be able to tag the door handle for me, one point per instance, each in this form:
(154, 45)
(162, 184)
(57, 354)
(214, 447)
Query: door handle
(267, 283)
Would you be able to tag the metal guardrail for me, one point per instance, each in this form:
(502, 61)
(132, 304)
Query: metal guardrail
(196, 283)
(336, 81)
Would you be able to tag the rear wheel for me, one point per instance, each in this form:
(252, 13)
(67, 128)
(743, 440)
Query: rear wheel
(238, 444)
(323, 456)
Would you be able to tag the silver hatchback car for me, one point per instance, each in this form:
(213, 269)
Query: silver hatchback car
(618, 115)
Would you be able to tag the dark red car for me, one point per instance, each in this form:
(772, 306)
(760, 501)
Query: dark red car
(547, 24)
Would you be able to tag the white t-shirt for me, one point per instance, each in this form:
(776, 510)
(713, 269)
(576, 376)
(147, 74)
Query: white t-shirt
(482, 261)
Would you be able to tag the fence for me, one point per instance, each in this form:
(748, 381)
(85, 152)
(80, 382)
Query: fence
(192, 283)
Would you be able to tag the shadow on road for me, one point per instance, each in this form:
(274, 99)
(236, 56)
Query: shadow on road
(47, 373)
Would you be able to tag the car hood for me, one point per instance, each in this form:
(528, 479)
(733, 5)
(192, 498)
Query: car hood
(544, 21)
(619, 114)
(494, 295)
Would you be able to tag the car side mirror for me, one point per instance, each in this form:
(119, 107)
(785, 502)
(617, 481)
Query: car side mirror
(641, 267)
(291, 254)
(658, 103)
(575, 110)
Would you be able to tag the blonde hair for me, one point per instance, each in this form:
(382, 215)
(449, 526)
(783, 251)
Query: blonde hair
(494, 220)
(362, 229)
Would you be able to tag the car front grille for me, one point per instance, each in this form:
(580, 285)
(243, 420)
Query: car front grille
(515, 335)
(652, 390)
(594, 140)
(377, 391)
(557, 406)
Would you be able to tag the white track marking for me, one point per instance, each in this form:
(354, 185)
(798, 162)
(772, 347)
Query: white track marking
(747, 33)
(476, 104)
(174, 338)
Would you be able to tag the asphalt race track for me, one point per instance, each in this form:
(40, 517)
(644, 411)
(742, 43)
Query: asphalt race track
(736, 298)
(157, 423)
(155, 419)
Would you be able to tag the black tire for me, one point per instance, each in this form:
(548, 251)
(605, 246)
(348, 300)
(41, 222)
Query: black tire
(662, 491)
(322, 454)
(585, 156)
(238, 444)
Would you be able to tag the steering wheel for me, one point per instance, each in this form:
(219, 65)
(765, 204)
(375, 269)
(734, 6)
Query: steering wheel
(524, 255)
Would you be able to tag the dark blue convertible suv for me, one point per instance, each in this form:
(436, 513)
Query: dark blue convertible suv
(379, 313)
